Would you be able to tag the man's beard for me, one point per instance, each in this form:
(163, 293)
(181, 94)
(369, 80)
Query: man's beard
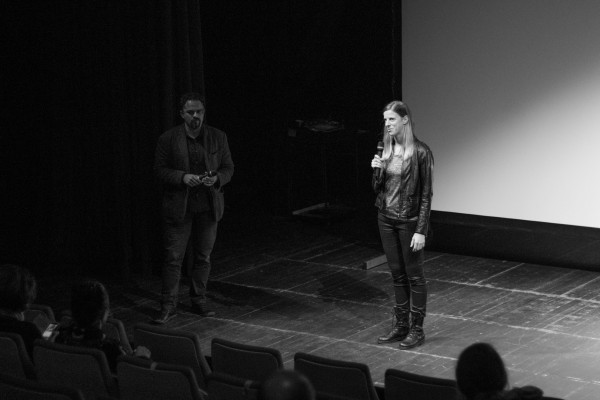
(195, 124)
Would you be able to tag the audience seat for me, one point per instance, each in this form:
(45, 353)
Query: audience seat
(14, 356)
(37, 310)
(329, 396)
(179, 370)
(243, 360)
(40, 315)
(227, 387)
(336, 379)
(115, 329)
(406, 385)
(143, 379)
(13, 388)
(78, 367)
(173, 346)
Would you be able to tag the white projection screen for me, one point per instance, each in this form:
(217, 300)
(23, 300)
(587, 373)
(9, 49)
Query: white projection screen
(507, 95)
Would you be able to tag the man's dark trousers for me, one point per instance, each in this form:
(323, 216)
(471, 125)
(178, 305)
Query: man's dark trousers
(200, 230)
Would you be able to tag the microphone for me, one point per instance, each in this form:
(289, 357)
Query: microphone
(377, 171)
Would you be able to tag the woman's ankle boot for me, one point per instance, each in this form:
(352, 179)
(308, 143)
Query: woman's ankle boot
(399, 327)
(416, 335)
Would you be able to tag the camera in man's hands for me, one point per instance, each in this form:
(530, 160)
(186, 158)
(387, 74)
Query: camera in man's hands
(207, 174)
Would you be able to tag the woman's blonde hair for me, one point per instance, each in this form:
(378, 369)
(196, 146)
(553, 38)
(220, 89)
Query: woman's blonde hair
(407, 137)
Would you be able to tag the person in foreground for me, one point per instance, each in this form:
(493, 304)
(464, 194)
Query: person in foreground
(286, 385)
(402, 180)
(193, 163)
(481, 375)
(90, 307)
(18, 289)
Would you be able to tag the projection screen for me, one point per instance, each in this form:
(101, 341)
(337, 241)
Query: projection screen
(507, 95)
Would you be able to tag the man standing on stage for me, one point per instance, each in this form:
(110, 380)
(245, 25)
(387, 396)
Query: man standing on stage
(193, 163)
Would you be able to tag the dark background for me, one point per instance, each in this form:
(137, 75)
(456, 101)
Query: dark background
(88, 86)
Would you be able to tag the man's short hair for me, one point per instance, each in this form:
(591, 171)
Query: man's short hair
(191, 96)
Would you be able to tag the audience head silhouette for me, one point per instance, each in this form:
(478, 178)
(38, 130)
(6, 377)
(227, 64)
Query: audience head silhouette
(18, 289)
(480, 372)
(89, 303)
(287, 385)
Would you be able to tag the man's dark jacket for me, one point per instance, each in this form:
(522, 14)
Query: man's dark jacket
(172, 162)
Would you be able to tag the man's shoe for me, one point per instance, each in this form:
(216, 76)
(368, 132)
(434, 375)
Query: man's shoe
(201, 310)
(165, 316)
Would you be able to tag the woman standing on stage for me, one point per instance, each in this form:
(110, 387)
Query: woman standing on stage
(403, 179)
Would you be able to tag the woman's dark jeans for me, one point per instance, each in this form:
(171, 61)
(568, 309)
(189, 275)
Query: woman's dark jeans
(406, 266)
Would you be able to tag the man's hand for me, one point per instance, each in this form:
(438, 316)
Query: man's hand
(209, 180)
(192, 180)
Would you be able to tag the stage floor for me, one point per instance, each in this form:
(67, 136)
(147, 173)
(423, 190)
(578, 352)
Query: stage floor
(300, 286)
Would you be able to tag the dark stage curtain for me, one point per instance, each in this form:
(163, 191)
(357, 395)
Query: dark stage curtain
(90, 85)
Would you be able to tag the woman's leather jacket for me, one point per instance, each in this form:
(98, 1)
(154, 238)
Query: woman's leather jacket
(416, 190)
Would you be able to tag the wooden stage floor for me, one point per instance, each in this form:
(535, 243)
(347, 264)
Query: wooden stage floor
(300, 286)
